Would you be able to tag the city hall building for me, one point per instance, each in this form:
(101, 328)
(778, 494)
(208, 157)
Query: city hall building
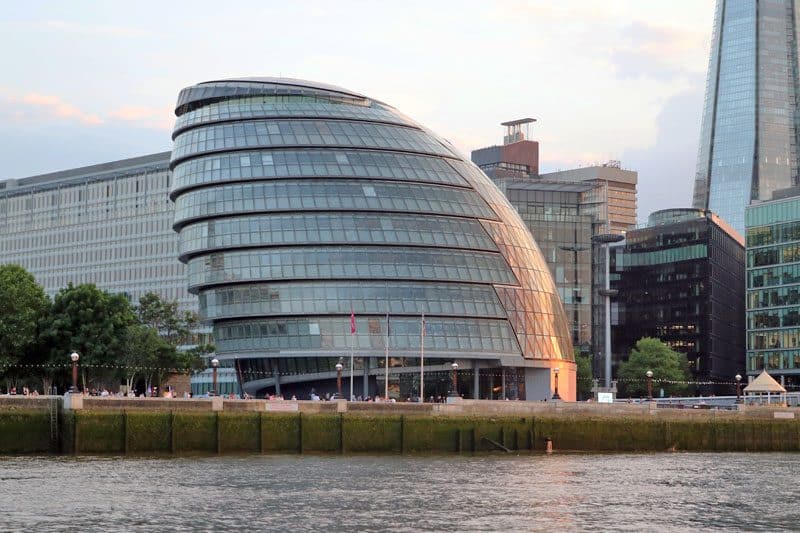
(317, 223)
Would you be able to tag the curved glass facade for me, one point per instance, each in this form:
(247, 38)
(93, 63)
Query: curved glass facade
(300, 205)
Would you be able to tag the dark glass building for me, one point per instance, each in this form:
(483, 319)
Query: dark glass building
(681, 280)
(299, 205)
(749, 133)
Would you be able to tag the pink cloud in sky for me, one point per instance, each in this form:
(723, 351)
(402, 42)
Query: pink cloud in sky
(56, 107)
(150, 117)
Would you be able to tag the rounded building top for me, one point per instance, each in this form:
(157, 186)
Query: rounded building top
(216, 90)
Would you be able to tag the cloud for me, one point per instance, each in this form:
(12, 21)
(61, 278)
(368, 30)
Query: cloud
(43, 108)
(36, 105)
(657, 52)
(149, 117)
(666, 168)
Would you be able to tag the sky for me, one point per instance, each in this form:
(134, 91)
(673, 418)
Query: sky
(88, 82)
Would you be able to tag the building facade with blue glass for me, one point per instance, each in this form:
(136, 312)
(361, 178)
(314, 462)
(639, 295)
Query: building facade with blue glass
(299, 205)
(773, 289)
(749, 133)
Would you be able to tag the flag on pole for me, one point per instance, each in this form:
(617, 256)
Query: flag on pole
(352, 322)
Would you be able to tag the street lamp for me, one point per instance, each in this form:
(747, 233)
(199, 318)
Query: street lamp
(649, 375)
(339, 367)
(454, 389)
(555, 395)
(74, 357)
(607, 293)
(214, 366)
(738, 388)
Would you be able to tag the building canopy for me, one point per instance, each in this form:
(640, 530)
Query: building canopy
(764, 383)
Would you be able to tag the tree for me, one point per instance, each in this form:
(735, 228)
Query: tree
(584, 374)
(91, 322)
(670, 369)
(142, 351)
(164, 317)
(23, 306)
(175, 327)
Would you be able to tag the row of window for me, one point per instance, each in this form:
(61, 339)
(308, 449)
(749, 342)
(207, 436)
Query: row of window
(276, 107)
(318, 195)
(238, 166)
(774, 234)
(268, 133)
(344, 297)
(773, 297)
(339, 228)
(773, 318)
(788, 253)
(787, 359)
(441, 334)
(764, 340)
(771, 276)
(350, 263)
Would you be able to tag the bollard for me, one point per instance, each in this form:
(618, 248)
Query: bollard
(548, 445)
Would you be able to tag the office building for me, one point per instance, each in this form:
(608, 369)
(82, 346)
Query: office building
(749, 132)
(681, 280)
(108, 224)
(564, 210)
(317, 222)
(773, 288)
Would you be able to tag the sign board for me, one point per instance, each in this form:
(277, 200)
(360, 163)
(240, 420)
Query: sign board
(282, 406)
(605, 397)
(783, 414)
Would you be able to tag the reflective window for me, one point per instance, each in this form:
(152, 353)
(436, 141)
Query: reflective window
(340, 297)
(318, 195)
(443, 335)
(350, 263)
(284, 106)
(268, 133)
(240, 166)
(339, 228)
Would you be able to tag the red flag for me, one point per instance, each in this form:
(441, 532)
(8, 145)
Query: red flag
(352, 323)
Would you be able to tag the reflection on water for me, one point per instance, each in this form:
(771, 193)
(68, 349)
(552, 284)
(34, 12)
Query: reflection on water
(568, 492)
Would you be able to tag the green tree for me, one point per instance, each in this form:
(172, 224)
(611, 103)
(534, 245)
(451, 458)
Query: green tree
(23, 306)
(91, 322)
(670, 369)
(173, 325)
(142, 350)
(176, 328)
(584, 375)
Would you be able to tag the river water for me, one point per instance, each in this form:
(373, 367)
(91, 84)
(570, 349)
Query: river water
(632, 492)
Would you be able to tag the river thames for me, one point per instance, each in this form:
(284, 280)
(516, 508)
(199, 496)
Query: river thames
(634, 492)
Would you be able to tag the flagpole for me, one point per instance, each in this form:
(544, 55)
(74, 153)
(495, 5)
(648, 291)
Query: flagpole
(386, 364)
(422, 362)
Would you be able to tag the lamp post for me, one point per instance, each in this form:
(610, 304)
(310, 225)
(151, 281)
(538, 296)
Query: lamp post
(607, 239)
(214, 366)
(555, 395)
(74, 358)
(575, 248)
(738, 388)
(649, 375)
(454, 388)
(339, 367)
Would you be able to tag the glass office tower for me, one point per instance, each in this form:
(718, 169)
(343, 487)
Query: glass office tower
(773, 289)
(748, 138)
(300, 205)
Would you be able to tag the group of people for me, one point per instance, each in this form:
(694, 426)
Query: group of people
(25, 392)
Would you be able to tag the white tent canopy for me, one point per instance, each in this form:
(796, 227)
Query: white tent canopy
(764, 383)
